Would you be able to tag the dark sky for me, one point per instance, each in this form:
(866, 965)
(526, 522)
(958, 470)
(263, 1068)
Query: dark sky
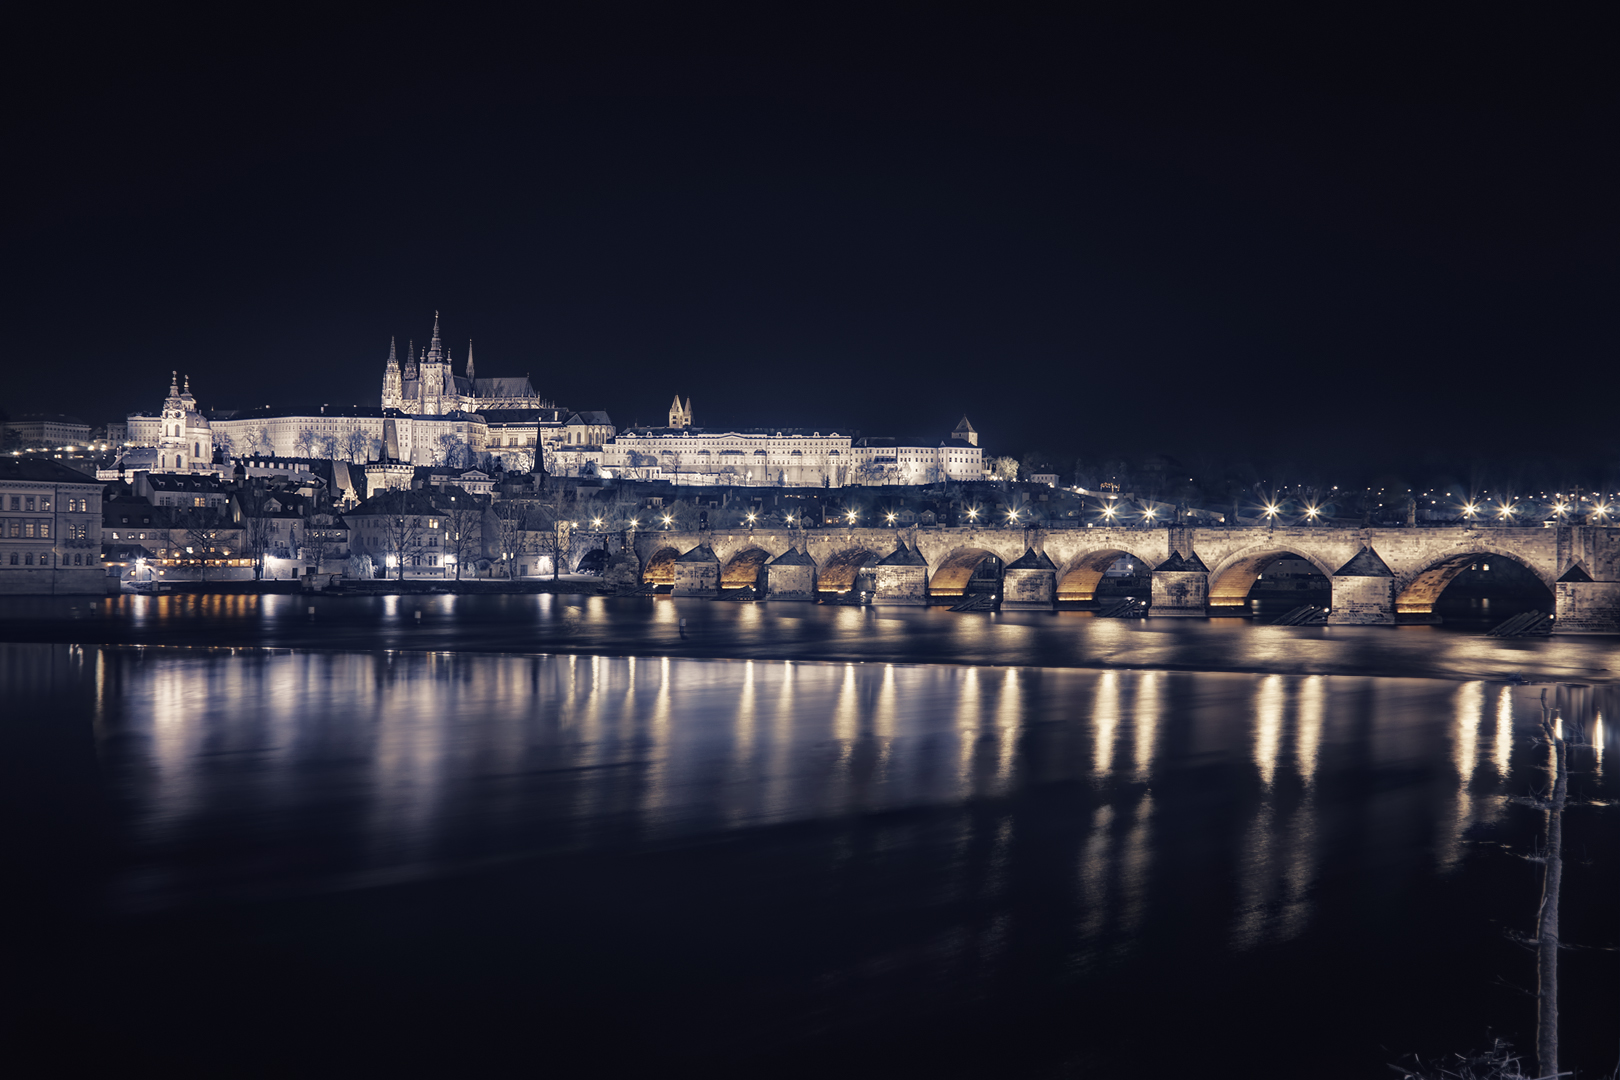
(1348, 246)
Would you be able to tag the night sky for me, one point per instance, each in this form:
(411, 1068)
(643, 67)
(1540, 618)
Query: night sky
(1380, 244)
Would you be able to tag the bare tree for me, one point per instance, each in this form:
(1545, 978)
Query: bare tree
(453, 450)
(510, 521)
(401, 528)
(552, 526)
(206, 531)
(358, 446)
(328, 446)
(464, 526)
(252, 502)
(224, 444)
(304, 442)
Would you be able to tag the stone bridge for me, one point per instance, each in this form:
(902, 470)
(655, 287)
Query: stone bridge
(1375, 574)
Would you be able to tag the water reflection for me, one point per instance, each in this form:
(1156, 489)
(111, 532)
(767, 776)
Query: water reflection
(411, 764)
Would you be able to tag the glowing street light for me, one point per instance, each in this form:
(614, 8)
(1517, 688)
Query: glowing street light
(596, 523)
(1506, 512)
(973, 513)
(1311, 512)
(1150, 513)
(1470, 510)
(667, 519)
(790, 519)
(1012, 516)
(751, 517)
(850, 516)
(890, 516)
(1108, 511)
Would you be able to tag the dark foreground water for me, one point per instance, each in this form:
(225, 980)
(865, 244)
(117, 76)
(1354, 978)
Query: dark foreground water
(274, 862)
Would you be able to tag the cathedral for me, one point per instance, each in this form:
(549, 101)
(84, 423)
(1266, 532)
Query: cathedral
(427, 385)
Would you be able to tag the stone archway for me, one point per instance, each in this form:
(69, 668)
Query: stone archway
(744, 569)
(1230, 583)
(1078, 579)
(838, 573)
(660, 569)
(956, 570)
(1423, 591)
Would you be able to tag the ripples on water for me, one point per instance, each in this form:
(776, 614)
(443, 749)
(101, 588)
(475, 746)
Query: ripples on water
(852, 865)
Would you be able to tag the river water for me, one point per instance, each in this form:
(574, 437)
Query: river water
(249, 842)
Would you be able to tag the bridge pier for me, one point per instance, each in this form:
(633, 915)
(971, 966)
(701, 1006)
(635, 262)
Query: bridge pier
(902, 578)
(1586, 607)
(1180, 588)
(1363, 592)
(697, 573)
(791, 576)
(1029, 583)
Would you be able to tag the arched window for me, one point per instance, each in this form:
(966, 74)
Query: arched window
(196, 449)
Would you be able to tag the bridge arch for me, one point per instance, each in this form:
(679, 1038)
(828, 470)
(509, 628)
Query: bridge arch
(744, 568)
(1077, 579)
(1423, 591)
(660, 568)
(950, 576)
(837, 573)
(1230, 582)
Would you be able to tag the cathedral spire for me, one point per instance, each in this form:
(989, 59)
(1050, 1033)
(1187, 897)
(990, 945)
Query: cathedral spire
(393, 357)
(469, 360)
(435, 348)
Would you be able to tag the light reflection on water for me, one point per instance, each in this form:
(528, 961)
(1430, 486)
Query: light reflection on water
(1063, 822)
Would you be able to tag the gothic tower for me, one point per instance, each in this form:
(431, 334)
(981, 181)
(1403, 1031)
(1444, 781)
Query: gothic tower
(434, 373)
(393, 392)
(680, 416)
(469, 361)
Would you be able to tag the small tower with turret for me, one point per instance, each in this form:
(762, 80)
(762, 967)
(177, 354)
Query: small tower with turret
(680, 416)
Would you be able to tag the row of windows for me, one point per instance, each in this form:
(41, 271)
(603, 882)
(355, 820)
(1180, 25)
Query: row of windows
(30, 503)
(26, 558)
(17, 527)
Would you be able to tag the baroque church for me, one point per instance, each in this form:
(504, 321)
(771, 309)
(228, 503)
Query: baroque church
(427, 385)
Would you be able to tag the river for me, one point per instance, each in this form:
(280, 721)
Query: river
(552, 832)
